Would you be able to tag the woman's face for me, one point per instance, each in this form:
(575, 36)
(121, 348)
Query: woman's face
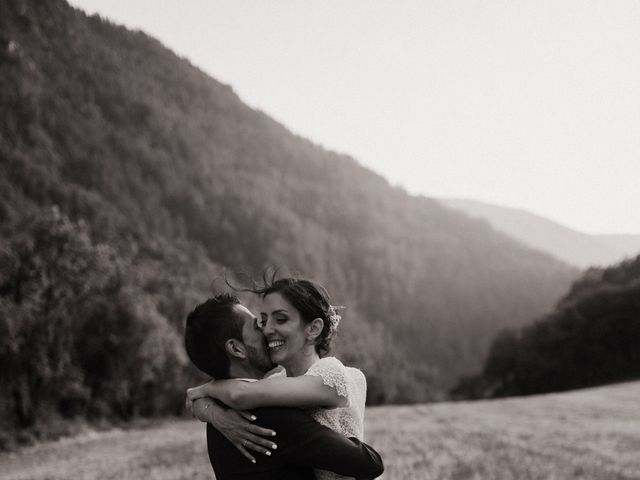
(285, 331)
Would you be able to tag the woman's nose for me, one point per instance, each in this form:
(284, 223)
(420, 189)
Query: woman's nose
(268, 327)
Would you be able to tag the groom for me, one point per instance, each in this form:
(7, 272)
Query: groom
(223, 340)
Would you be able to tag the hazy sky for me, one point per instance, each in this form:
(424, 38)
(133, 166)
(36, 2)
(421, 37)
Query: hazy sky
(532, 104)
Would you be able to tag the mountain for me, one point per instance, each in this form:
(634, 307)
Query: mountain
(576, 248)
(148, 158)
(628, 245)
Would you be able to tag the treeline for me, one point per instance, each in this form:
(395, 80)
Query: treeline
(86, 331)
(592, 338)
(166, 168)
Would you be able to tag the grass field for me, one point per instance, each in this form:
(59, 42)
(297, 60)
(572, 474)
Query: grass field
(588, 434)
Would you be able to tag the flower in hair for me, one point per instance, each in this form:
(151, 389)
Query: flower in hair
(334, 318)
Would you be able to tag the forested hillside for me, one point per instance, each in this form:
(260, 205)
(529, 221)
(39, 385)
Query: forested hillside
(591, 338)
(166, 170)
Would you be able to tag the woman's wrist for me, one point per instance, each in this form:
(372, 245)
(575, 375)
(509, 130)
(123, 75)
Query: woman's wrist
(205, 410)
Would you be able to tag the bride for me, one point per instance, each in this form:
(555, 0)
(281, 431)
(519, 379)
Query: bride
(298, 323)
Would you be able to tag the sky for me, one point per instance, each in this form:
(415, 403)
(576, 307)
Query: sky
(529, 104)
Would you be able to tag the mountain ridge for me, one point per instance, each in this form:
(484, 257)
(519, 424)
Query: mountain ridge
(574, 247)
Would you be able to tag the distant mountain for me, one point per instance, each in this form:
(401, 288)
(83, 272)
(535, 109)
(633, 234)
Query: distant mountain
(627, 245)
(573, 247)
(156, 159)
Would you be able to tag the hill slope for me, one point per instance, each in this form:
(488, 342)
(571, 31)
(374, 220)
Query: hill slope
(575, 248)
(144, 148)
(591, 338)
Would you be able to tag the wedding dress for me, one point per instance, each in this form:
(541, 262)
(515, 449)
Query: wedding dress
(351, 384)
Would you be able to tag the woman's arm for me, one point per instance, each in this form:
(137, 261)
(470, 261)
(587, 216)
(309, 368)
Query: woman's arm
(301, 391)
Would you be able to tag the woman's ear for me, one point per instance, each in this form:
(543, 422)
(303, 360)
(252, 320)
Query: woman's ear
(235, 348)
(314, 329)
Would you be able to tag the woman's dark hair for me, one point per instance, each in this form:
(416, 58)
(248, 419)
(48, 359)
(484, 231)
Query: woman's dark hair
(309, 298)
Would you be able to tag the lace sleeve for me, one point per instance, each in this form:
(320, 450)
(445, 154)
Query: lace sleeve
(333, 374)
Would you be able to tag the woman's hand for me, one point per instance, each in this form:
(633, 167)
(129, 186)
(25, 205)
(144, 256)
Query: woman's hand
(200, 391)
(237, 427)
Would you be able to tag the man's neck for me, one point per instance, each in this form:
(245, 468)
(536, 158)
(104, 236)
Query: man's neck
(240, 370)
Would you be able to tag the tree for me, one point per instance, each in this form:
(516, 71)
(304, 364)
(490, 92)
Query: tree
(52, 272)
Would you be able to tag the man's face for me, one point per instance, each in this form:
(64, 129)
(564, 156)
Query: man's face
(254, 340)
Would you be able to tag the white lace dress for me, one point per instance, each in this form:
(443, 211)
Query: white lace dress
(349, 383)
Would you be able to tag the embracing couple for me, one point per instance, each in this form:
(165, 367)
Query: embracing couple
(305, 422)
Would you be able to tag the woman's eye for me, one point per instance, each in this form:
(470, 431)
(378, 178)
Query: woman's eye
(281, 319)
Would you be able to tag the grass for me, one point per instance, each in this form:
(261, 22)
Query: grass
(587, 434)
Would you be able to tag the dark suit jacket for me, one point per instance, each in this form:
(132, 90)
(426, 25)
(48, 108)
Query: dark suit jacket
(303, 444)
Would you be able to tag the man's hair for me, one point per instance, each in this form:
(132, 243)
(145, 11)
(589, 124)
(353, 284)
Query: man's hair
(208, 328)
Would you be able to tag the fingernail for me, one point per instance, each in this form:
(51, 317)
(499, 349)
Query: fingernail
(274, 446)
(273, 434)
(267, 453)
(253, 460)
(253, 417)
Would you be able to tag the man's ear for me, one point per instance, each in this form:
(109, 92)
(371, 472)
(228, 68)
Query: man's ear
(235, 348)
(314, 329)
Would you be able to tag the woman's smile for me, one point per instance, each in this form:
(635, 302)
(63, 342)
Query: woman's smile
(275, 345)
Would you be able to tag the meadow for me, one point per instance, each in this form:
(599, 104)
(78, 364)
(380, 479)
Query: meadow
(586, 434)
